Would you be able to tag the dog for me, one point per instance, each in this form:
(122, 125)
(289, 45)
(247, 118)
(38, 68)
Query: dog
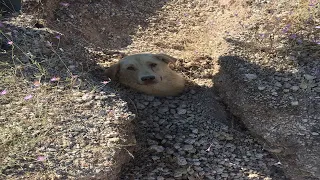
(148, 73)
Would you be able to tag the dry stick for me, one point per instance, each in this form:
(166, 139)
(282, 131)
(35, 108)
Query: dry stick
(5, 4)
(129, 153)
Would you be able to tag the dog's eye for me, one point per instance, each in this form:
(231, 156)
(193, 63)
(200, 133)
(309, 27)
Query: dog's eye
(131, 68)
(153, 65)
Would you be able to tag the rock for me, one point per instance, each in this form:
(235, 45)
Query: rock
(188, 147)
(87, 97)
(190, 141)
(177, 174)
(316, 89)
(251, 77)
(261, 88)
(287, 85)
(309, 77)
(181, 161)
(173, 111)
(156, 103)
(163, 110)
(155, 158)
(195, 131)
(295, 88)
(157, 148)
(149, 98)
(303, 85)
(224, 175)
(197, 163)
(315, 133)
(140, 106)
(278, 84)
(182, 111)
(286, 90)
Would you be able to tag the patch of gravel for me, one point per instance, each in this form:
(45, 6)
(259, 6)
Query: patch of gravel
(186, 137)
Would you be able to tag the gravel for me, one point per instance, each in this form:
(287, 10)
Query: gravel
(194, 145)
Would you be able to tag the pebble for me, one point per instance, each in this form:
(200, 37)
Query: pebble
(315, 133)
(287, 85)
(294, 103)
(87, 97)
(188, 147)
(224, 175)
(197, 163)
(303, 85)
(182, 111)
(195, 131)
(149, 98)
(178, 173)
(155, 158)
(286, 90)
(157, 148)
(278, 84)
(140, 106)
(156, 103)
(181, 161)
(163, 110)
(251, 77)
(316, 89)
(295, 88)
(190, 141)
(309, 77)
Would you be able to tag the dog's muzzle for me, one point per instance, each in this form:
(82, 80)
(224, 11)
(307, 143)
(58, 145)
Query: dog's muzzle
(148, 80)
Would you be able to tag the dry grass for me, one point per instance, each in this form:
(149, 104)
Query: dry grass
(40, 89)
(198, 33)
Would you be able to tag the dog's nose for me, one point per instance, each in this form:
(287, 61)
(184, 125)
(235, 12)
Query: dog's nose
(148, 78)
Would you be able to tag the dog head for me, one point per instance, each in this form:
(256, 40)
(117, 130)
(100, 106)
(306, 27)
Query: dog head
(141, 69)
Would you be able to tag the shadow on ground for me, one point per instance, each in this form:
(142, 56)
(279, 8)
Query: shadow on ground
(279, 107)
(106, 24)
(95, 31)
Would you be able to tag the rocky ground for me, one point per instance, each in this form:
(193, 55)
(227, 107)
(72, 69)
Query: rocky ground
(56, 121)
(250, 110)
(187, 137)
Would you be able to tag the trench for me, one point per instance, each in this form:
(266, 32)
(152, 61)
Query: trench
(191, 136)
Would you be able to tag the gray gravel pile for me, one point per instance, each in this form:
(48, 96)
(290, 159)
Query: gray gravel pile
(186, 137)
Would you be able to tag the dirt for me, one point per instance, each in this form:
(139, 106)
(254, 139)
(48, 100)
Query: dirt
(218, 43)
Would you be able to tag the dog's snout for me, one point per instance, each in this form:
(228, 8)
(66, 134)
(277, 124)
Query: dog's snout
(148, 78)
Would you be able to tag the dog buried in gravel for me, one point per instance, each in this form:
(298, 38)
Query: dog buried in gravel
(148, 73)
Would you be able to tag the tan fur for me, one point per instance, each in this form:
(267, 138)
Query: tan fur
(133, 70)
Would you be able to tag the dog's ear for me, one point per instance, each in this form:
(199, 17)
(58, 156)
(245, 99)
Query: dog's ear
(166, 58)
(112, 71)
